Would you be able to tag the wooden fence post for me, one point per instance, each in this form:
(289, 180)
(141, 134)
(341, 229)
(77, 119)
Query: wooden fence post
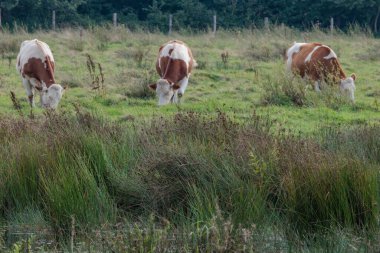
(81, 33)
(53, 20)
(170, 24)
(332, 25)
(114, 18)
(266, 23)
(214, 25)
(1, 24)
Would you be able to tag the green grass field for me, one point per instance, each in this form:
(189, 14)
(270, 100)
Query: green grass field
(249, 162)
(255, 58)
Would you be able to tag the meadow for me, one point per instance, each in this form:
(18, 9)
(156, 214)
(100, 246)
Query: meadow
(250, 161)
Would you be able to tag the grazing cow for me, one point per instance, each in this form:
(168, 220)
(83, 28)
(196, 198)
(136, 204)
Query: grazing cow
(35, 63)
(319, 63)
(174, 64)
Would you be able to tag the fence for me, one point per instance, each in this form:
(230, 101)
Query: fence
(213, 24)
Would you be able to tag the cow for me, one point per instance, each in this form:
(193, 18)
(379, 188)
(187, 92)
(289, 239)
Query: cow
(174, 65)
(319, 63)
(35, 64)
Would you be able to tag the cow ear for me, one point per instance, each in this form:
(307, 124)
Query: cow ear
(353, 76)
(175, 86)
(153, 86)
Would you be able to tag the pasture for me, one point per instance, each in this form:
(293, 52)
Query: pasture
(250, 161)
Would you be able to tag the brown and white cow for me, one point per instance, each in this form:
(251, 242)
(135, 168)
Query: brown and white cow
(319, 63)
(35, 63)
(174, 64)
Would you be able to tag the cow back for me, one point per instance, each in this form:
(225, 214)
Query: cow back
(316, 61)
(175, 61)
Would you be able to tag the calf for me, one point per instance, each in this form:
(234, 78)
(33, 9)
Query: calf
(174, 64)
(35, 63)
(319, 63)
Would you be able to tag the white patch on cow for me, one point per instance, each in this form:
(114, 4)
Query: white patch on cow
(317, 86)
(348, 86)
(308, 58)
(183, 85)
(179, 52)
(291, 51)
(32, 49)
(165, 92)
(331, 55)
(51, 96)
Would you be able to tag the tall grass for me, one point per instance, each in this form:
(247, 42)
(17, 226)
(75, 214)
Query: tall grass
(191, 170)
(286, 89)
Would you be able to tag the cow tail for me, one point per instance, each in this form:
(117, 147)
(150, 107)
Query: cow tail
(195, 64)
(48, 61)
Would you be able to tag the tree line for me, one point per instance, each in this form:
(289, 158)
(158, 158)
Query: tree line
(193, 14)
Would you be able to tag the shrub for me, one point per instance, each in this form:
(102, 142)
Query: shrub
(139, 56)
(284, 90)
(138, 86)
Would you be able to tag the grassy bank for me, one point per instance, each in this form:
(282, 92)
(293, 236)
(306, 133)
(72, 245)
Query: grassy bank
(187, 175)
(251, 161)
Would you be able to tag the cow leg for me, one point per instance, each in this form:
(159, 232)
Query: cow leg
(29, 91)
(317, 86)
(175, 99)
(183, 85)
(38, 85)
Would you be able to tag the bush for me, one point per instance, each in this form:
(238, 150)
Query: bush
(138, 86)
(284, 90)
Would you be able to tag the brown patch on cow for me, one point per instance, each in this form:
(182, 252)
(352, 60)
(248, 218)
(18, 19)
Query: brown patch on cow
(173, 70)
(318, 68)
(171, 51)
(50, 67)
(176, 86)
(35, 68)
(153, 86)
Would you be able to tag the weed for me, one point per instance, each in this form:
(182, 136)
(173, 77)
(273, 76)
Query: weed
(96, 74)
(16, 104)
(139, 56)
(225, 57)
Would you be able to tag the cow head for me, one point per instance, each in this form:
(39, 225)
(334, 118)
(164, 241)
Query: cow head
(348, 86)
(51, 96)
(166, 91)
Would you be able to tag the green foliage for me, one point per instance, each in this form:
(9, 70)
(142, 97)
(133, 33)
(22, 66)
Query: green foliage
(195, 14)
